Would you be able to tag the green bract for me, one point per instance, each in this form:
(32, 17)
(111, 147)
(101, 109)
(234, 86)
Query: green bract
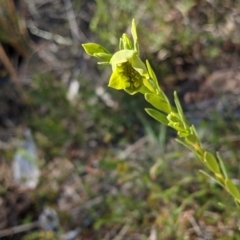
(96, 50)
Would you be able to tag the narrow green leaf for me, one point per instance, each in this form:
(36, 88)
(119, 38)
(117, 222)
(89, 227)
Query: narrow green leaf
(232, 189)
(158, 102)
(103, 56)
(127, 43)
(210, 177)
(157, 115)
(92, 48)
(211, 162)
(194, 132)
(148, 83)
(222, 166)
(121, 46)
(237, 203)
(185, 144)
(144, 89)
(179, 108)
(164, 96)
(134, 31)
(134, 35)
(162, 136)
(151, 72)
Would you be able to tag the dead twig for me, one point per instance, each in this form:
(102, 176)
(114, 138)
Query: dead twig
(18, 229)
(77, 34)
(122, 232)
(9, 67)
(132, 148)
(195, 226)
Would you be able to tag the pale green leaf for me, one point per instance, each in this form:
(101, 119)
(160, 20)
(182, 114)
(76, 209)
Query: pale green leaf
(93, 48)
(212, 178)
(151, 72)
(211, 162)
(103, 56)
(157, 115)
(221, 163)
(179, 108)
(194, 132)
(232, 189)
(149, 84)
(158, 102)
(127, 43)
(121, 46)
(144, 89)
(185, 144)
(134, 35)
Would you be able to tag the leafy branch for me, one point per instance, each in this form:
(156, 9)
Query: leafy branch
(131, 74)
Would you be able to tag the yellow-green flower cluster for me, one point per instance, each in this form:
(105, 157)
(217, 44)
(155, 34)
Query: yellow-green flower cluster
(129, 72)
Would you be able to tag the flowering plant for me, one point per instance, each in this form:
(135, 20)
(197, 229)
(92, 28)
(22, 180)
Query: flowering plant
(131, 74)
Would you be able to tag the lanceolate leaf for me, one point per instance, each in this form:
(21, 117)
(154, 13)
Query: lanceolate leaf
(185, 144)
(127, 44)
(151, 72)
(221, 163)
(157, 115)
(103, 56)
(211, 162)
(134, 35)
(210, 177)
(232, 189)
(158, 102)
(92, 48)
(179, 108)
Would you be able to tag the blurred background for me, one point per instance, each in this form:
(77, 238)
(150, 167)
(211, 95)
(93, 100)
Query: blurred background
(81, 161)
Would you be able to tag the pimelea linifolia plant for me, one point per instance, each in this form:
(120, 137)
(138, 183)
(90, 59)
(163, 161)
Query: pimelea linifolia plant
(131, 74)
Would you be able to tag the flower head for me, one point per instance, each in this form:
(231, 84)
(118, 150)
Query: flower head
(128, 71)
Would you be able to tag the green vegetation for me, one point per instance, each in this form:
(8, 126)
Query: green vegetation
(129, 73)
(133, 76)
(107, 167)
